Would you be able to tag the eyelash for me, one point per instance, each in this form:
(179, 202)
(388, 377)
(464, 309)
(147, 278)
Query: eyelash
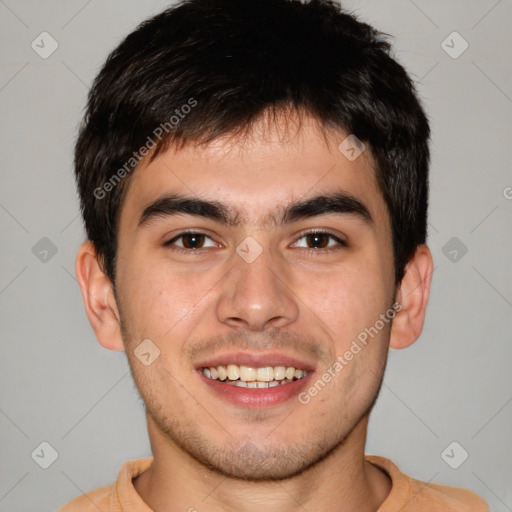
(315, 252)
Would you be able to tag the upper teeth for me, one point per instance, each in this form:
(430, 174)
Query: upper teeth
(251, 374)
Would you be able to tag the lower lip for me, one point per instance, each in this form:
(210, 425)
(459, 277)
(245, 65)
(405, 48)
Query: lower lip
(257, 397)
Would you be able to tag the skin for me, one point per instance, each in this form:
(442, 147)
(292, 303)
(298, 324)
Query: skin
(211, 454)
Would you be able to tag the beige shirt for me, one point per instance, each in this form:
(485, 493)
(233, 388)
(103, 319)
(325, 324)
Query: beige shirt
(407, 494)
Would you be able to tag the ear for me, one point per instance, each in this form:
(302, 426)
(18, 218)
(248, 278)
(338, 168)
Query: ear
(98, 296)
(412, 295)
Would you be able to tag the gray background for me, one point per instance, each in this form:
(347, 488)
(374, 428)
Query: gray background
(60, 386)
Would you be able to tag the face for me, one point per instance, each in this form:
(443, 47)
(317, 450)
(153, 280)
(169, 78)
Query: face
(271, 280)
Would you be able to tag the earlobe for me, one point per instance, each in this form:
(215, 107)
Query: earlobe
(412, 295)
(97, 294)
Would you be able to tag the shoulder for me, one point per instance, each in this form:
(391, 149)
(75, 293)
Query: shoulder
(447, 498)
(116, 496)
(92, 501)
(410, 495)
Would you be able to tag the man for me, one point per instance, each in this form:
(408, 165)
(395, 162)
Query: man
(253, 177)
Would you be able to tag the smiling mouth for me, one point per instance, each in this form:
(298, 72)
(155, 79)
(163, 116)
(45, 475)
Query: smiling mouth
(250, 377)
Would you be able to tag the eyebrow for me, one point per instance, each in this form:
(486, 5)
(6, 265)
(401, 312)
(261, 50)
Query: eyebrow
(339, 202)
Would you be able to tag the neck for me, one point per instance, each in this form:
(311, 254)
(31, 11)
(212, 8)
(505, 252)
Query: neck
(343, 482)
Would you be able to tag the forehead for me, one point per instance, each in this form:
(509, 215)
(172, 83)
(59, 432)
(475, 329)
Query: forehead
(259, 175)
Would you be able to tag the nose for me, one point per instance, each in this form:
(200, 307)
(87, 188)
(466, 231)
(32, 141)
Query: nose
(256, 296)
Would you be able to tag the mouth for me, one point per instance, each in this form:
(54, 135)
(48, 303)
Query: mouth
(255, 381)
(254, 378)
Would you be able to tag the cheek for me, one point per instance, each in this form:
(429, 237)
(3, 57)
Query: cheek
(166, 304)
(347, 300)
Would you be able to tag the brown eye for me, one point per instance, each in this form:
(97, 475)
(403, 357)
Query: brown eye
(321, 242)
(193, 241)
(190, 241)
